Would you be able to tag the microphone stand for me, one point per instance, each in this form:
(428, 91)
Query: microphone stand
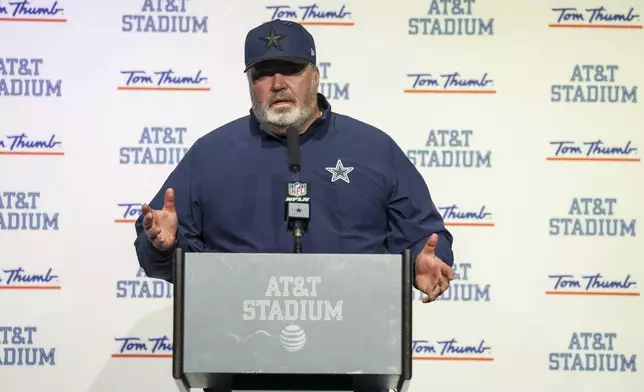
(298, 233)
(297, 237)
(298, 196)
(296, 224)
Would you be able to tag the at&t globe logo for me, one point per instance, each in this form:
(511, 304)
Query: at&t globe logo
(293, 338)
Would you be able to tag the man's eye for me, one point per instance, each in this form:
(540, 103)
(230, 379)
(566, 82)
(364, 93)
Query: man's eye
(268, 72)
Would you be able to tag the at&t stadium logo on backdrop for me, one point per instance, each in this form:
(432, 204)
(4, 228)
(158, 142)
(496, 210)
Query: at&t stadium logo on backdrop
(449, 83)
(594, 284)
(31, 11)
(298, 288)
(24, 77)
(451, 349)
(332, 90)
(593, 352)
(592, 151)
(164, 16)
(19, 278)
(19, 346)
(313, 14)
(450, 148)
(157, 145)
(594, 83)
(593, 217)
(23, 144)
(163, 80)
(452, 18)
(462, 289)
(595, 17)
(143, 347)
(142, 287)
(19, 211)
(455, 215)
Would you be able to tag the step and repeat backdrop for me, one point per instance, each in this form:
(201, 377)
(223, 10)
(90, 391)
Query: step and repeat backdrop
(524, 117)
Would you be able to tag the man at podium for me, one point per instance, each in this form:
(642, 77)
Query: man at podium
(352, 191)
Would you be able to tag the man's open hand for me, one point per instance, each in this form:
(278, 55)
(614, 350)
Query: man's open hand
(161, 225)
(432, 274)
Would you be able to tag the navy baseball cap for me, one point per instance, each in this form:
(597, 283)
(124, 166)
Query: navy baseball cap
(279, 40)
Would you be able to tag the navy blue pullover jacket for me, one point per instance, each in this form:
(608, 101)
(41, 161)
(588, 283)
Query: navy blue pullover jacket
(229, 194)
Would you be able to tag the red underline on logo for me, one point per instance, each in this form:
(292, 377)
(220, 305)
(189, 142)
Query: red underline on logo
(311, 23)
(598, 293)
(33, 20)
(123, 88)
(593, 159)
(327, 23)
(471, 224)
(595, 26)
(424, 91)
(124, 220)
(478, 359)
(13, 287)
(40, 153)
(141, 355)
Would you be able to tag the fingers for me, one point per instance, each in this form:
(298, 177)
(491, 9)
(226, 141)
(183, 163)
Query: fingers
(447, 271)
(158, 241)
(168, 200)
(431, 243)
(151, 222)
(432, 287)
(435, 291)
(432, 294)
(151, 230)
(154, 233)
(157, 237)
(438, 283)
(444, 284)
(446, 275)
(148, 216)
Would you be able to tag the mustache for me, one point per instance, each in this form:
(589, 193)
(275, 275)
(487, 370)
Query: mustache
(278, 98)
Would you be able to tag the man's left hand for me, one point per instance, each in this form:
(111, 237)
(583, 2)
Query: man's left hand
(432, 274)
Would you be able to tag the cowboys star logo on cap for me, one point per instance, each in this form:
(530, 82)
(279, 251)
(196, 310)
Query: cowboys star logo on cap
(279, 40)
(272, 40)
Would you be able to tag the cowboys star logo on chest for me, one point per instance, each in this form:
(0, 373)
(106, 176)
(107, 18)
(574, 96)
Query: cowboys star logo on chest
(340, 172)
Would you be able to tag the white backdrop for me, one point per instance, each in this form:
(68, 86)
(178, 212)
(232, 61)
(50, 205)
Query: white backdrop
(63, 201)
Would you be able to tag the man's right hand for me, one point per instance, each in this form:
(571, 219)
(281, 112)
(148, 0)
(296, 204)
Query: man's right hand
(161, 225)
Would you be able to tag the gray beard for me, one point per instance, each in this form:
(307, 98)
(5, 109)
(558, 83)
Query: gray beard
(283, 118)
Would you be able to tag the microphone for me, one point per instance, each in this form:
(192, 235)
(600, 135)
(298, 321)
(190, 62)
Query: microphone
(293, 143)
(298, 194)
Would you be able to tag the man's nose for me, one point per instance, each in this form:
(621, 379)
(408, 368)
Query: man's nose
(278, 81)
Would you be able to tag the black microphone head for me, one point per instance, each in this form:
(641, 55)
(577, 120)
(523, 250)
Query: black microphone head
(293, 143)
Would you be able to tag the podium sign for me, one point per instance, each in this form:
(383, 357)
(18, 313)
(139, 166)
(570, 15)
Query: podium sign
(292, 315)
